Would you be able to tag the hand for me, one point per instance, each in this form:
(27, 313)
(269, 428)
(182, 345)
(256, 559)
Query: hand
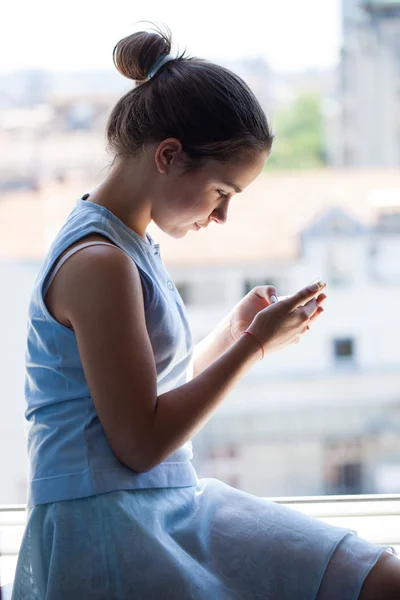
(244, 312)
(284, 322)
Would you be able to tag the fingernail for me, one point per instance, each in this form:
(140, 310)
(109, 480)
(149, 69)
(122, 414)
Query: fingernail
(273, 299)
(314, 287)
(319, 282)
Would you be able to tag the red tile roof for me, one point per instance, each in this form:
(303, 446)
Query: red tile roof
(263, 222)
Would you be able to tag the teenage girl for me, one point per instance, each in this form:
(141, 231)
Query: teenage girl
(115, 390)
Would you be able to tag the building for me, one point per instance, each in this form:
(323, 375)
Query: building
(365, 131)
(320, 417)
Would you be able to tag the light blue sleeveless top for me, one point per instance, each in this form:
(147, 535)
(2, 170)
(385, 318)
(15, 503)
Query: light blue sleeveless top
(69, 454)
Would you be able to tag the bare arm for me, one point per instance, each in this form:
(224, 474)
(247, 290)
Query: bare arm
(99, 293)
(182, 412)
(212, 347)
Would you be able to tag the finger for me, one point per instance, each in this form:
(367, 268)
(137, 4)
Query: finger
(311, 306)
(304, 295)
(320, 298)
(318, 312)
(309, 309)
(267, 292)
(306, 312)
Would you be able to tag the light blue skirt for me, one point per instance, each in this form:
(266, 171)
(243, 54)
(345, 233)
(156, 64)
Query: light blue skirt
(206, 542)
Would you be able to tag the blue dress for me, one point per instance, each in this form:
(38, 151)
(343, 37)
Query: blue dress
(97, 530)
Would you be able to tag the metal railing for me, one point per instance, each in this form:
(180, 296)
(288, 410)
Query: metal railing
(374, 517)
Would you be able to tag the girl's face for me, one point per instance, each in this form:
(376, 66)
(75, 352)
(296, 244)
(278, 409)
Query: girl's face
(192, 200)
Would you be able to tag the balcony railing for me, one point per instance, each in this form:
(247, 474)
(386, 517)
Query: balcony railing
(374, 517)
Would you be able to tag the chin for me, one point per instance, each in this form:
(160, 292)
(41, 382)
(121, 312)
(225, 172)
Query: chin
(175, 232)
(178, 234)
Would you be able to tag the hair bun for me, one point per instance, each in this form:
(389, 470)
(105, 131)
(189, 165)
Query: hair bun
(135, 54)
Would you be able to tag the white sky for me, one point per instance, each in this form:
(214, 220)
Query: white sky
(80, 34)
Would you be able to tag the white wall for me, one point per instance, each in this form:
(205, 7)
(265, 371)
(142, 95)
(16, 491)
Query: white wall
(363, 307)
(280, 468)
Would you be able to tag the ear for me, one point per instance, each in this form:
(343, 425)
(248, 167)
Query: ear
(167, 153)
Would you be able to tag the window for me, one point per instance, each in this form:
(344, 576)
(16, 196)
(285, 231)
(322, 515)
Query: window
(343, 350)
(346, 479)
(289, 227)
(344, 467)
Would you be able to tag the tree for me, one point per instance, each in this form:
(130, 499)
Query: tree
(299, 135)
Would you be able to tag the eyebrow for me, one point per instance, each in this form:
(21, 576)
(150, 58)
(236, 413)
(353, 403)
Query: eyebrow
(234, 186)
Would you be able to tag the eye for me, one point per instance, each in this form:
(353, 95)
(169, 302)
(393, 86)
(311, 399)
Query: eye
(222, 194)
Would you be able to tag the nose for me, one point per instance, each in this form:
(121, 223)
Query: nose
(220, 214)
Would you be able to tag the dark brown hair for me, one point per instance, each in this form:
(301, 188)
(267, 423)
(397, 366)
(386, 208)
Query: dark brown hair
(208, 108)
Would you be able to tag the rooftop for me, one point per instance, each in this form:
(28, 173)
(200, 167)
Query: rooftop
(263, 222)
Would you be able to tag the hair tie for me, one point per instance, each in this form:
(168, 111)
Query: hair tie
(160, 62)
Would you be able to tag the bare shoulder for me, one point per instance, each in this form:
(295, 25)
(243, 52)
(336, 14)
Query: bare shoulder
(98, 293)
(82, 269)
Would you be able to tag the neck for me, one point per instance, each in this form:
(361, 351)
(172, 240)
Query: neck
(124, 193)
